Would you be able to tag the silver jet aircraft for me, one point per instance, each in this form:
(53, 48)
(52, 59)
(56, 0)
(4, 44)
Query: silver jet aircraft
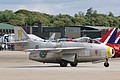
(63, 52)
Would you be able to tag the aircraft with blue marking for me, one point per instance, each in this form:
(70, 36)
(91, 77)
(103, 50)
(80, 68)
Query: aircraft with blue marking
(63, 52)
(111, 38)
(117, 41)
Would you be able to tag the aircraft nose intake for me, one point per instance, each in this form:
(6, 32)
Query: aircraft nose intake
(110, 52)
(113, 52)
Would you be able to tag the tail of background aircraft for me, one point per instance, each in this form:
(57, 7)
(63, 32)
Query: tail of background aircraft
(117, 41)
(110, 36)
(20, 34)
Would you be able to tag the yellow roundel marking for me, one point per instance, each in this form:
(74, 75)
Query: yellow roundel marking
(19, 33)
(108, 52)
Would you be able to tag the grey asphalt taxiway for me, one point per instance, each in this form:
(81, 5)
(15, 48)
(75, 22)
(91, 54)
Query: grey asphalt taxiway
(15, 65)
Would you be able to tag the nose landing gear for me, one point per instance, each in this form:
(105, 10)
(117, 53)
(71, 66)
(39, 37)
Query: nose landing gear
(106, 64)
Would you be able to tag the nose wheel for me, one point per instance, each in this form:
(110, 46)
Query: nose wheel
(106, 64)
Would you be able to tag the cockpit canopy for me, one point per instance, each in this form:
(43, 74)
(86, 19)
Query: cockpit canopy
(87, 40)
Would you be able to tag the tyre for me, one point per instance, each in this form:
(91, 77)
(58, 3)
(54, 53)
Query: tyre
(63, 64)
(106, 64)
(74, 64)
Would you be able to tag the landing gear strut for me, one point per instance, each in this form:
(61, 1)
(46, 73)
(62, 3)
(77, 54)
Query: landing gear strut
(106, 64)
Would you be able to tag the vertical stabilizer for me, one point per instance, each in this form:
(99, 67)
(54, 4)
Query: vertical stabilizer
(117, 41)
(20, 34)
(110, 36)
(52, 37)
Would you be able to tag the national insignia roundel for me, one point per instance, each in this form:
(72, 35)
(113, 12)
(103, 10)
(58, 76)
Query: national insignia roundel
(43, 54)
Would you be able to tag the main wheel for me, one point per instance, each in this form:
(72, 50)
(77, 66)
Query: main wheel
(106, 64)
(63, 64)
(74, 64)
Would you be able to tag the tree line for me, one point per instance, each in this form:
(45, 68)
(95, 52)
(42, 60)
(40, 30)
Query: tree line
(31, 18)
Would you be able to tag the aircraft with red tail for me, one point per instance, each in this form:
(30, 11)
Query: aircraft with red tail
(117, 41)
(112, 39)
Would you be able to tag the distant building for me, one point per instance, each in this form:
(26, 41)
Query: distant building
(93, 31)
(6, 32)
(6, 29)
(72, 31)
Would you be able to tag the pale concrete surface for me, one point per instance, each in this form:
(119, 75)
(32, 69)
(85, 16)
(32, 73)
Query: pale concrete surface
(16, 65)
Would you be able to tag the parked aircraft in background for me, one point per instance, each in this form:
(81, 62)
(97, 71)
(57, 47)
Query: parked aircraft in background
(81, 39)
(36, 38)
(6, 38)
(117, 41)
(11, 37)
(63, 52)
(110, 39)
(65, 40)
(25, 41)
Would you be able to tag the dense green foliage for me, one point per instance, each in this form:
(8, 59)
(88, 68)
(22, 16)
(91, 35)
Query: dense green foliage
(30, 18)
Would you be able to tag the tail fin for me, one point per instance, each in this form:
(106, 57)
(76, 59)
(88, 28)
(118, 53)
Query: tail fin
(52, 37)
(117, 41)
(110, 36)
(20, 34)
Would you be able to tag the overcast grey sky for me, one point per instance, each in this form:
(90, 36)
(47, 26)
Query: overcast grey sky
(55, 7)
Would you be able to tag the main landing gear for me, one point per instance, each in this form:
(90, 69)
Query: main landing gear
(65, 63)
(74, 64)
(106, 64)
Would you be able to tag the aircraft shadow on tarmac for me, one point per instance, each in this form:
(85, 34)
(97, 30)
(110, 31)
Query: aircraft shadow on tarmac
(32, 66)
(54, 66)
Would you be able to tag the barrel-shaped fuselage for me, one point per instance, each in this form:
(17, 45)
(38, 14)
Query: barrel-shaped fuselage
(91, 52)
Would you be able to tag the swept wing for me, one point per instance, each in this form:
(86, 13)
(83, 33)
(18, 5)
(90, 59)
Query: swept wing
(50, 49)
